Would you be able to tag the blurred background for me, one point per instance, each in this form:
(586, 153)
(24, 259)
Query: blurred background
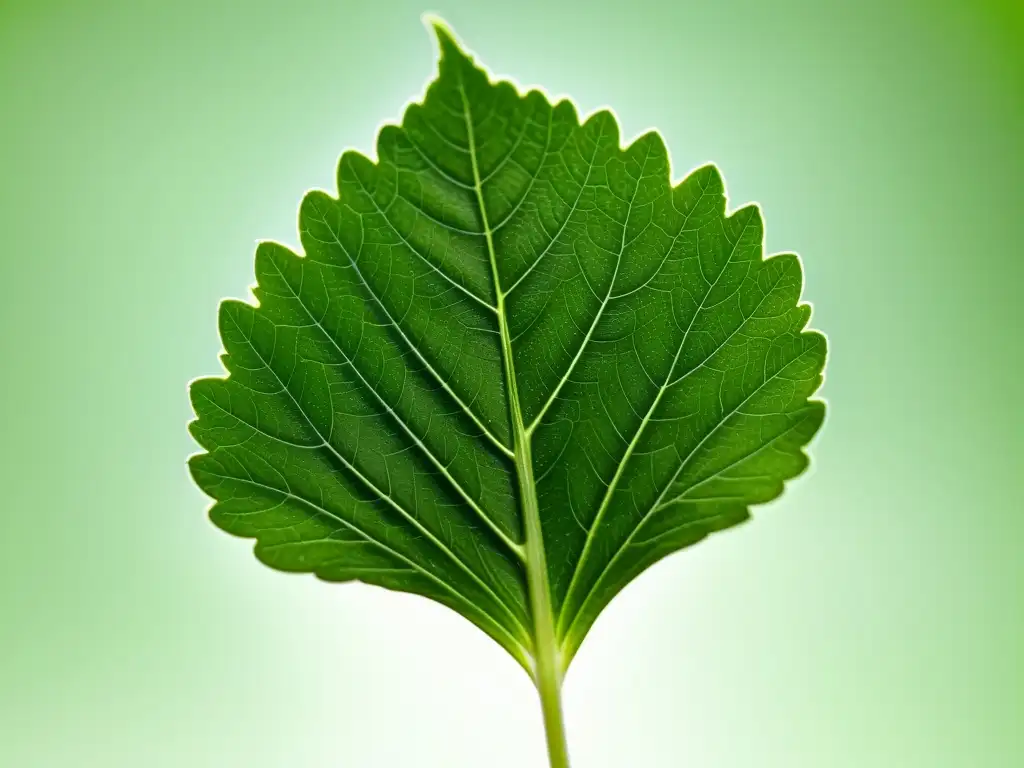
(872, 617)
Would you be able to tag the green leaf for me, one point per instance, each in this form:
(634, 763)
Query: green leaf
(514, 367)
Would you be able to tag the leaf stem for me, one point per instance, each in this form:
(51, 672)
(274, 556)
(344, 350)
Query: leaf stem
(548, 670)
(548, 674)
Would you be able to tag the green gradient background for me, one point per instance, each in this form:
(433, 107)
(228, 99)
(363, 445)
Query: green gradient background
(872, 618)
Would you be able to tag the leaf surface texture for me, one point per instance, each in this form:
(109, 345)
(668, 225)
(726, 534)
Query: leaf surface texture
(506, 277)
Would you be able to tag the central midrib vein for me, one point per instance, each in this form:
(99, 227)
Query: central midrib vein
(548, 668)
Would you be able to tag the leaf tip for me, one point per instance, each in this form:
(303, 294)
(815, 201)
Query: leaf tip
(441, 29)
(446, 38)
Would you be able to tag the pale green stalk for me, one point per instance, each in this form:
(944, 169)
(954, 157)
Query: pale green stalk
(548, 670)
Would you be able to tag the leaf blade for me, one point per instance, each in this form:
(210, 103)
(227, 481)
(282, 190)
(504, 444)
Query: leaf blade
(646, 370)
